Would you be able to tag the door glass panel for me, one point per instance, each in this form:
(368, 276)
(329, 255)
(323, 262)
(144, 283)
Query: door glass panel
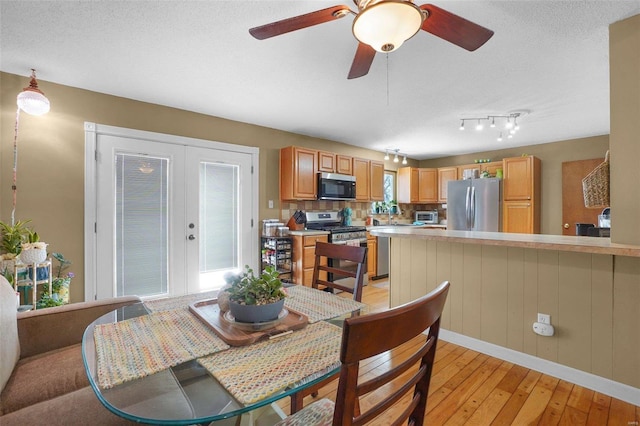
(141, 228)
(219, 222)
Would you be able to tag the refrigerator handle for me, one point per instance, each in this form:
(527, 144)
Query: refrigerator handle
(472, 216)
(467, 207)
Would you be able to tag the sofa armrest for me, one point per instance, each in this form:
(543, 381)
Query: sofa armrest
(47, 329)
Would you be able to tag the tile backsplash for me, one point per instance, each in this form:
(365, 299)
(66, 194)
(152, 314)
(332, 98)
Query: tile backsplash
(360, 210)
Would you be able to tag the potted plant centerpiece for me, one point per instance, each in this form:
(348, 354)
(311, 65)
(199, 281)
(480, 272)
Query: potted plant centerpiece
(253, 299)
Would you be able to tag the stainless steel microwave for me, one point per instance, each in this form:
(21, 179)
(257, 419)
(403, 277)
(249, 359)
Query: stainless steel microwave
(334, 186)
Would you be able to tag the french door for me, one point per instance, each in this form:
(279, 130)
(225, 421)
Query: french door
(172, 215)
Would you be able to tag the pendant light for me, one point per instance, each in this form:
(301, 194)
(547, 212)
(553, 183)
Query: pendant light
(31, 100)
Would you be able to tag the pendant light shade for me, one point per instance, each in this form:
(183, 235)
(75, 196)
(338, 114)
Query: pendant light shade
(31, 100)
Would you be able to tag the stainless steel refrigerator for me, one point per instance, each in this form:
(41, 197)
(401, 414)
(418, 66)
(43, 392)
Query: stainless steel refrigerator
(474, 205)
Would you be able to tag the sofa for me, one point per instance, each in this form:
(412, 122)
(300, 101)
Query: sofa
(42, 375)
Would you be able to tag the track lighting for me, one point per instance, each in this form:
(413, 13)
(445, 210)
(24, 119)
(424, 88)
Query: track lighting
(396, 155)
(510, 125)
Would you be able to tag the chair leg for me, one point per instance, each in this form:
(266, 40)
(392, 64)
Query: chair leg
(297, 402)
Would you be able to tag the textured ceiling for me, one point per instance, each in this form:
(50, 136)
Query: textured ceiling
(546, 57)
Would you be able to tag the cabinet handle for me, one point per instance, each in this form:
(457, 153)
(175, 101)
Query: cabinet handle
(566, 226)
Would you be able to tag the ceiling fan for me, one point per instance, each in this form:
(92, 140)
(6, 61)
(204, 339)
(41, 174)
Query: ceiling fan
(383, 25)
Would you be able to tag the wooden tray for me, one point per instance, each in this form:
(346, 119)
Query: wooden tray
(209, 312)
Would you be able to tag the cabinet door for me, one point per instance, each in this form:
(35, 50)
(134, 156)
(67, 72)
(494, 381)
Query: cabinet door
(361, 172)
(372, 256)
(517, 216)
(326, 162)
(427, 185)
(461, 169)
(298, 173)
(518, 178)
(376, 182)
(343, 164)
(491, 167)
(408, 180)
(445, 174)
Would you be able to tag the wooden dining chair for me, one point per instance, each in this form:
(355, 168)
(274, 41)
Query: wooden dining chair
(361, 339)
(336, 276)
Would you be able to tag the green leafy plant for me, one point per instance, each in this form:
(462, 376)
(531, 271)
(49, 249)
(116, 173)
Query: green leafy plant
(14, 235)
(57, 283)
(247, 289)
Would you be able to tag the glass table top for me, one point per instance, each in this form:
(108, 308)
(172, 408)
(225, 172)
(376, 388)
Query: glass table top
(184, 394)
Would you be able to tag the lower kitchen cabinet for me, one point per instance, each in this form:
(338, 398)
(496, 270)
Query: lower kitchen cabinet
(372, 255)
(304, 249)
(518, 217)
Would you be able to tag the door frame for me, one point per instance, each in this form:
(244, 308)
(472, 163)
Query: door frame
(91, 132)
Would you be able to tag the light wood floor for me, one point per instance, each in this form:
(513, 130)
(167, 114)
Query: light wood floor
(471, 388)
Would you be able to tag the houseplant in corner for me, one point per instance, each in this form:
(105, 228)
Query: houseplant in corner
(59, 285)
(251, 298)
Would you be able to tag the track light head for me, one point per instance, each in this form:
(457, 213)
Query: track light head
(462, 125)
(386, 155)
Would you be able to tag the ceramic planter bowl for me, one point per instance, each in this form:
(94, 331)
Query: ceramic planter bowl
(256, 313)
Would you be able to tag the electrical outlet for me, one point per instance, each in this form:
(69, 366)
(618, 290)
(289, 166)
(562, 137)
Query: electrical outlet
(544, 319)
(270, 204)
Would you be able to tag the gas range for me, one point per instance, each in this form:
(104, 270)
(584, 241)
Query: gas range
(331, 222)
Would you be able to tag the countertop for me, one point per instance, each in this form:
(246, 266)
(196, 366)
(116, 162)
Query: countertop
(535, 241)
(308, 232)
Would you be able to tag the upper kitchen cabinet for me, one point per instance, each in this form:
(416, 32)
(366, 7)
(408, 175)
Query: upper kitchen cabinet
(462, 169)
(376, 180)
(344, 164)
(521, 178)
(417, 185)
(521, 193)
(326, 162)
(491, 167)
(445, 174)
(361, 173)
(298, 168)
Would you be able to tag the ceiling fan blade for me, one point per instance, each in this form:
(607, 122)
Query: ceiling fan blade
(299, 22)
(362, 61)
(454, 29)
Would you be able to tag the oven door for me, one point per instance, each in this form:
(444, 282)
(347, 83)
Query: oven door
(349, 266)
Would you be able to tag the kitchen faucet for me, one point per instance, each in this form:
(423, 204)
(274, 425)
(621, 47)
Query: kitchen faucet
(389, 211)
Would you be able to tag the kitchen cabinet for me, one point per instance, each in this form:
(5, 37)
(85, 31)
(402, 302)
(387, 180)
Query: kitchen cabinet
(376, 181)
(276, 251)
(491, 167)
(521, 194)
(428, 185)
(461, 169)
(518, 217)
(304, 249)
(445, 174)
(326, 162)
(344, 164)
(298, 168)
(417, 185)
(372, 255)
(362, 174)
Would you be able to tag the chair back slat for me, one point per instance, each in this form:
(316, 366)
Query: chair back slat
(361, 339)
(328, 255)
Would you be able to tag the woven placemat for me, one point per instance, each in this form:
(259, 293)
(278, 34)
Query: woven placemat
(319, 305)
(145, 345)
(170, 303)
(252, 373)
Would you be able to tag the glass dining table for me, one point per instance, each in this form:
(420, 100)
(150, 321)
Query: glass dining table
(213, 381)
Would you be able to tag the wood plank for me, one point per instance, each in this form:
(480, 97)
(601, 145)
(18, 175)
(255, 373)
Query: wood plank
(557, 403)
(515, 299)
(580, 398)
(622, 413)
(493, 295)
(471, 314)
(517, 399)
(456, 290)
(602, 316)
(489, 409)
(599, 411)
(533, 408)
(548, 287)
(573, 417)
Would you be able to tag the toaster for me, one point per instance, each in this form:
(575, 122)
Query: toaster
(429, 216)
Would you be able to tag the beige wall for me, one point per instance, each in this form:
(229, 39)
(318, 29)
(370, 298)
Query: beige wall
(552, 155)
(624, 65)
(51, 156)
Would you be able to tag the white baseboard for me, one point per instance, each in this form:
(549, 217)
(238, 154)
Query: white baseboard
(590, 381)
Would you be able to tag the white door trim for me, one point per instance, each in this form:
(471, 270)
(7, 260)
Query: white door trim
(91, 135)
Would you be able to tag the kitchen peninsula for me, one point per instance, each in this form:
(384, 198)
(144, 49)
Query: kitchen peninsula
(501, 281)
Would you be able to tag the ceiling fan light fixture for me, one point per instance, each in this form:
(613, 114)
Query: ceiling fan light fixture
(387, 24)
(31, 100)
